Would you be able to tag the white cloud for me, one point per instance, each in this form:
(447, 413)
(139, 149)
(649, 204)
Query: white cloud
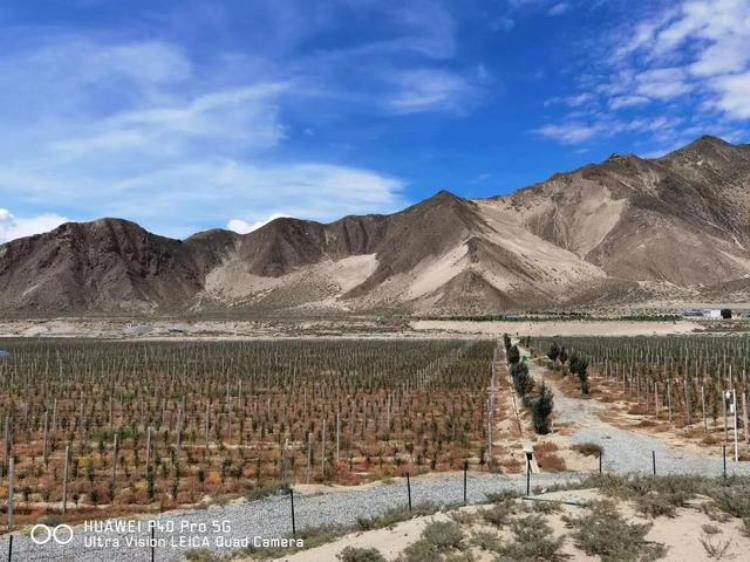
(577, 100)
(151, 62)
(12, 227)
(710, 39)
(734, 95)
(662, 83)
(570, 133)
(431, 90)
(174, 153)
(246, 117)
(690, 58)
(559, 9)
(620, 102)
(243, 227)
(212, 191)
(576, 132)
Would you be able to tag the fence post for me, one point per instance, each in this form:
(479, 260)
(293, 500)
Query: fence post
(11, 491)
(653, 460)
(65, 480)
(724, 454)
(10, 548)
(601, 453)
(408, 488)
(528, 476)
(466, 468)
(153, 542)
(294, 525)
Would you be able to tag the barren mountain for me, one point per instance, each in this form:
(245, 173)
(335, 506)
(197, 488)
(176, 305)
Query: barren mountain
(621, 231)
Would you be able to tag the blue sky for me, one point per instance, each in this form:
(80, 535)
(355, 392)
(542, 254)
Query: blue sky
(187, 115)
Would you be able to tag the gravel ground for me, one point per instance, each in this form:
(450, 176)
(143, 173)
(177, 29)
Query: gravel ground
(630, 451)
(270, 517)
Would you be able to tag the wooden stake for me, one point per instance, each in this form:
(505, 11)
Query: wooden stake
(115, 454)
(309, 455)
(65, 480)
(46, 427)
(11, 491)
(338, 437)
(206, 425)
(669, 399)
(148, 447)
(6, 441)
(323, 449)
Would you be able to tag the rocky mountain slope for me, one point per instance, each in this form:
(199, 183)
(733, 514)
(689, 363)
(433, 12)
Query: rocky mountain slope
(622, 231)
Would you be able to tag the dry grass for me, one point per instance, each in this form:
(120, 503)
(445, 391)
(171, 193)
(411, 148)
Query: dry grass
(588, 449)
(548, 459)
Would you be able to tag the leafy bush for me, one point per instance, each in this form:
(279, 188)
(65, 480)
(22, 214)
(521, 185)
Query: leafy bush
(487, 540)
(514, 356)
(444, 534)
(588, 449)
(734, 500)
(396, 515)
(352, 554)
(580, 368)
(499, 514)
(420, 551)
(541, 409)
(201, 555)
(546, 507)
(533, 541)
(554, 351)
(464, 517)
(605, 533)
(522, 380)
(502, 496)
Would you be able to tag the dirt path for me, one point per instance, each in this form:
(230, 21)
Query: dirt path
(625, 451)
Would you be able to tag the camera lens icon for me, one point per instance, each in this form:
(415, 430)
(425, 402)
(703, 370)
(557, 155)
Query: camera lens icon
(42, 534)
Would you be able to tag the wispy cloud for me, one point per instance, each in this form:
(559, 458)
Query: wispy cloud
(559, 9)
(247, 117)
(691, 58)
(98, 124)
(12, 226)
(432, 90)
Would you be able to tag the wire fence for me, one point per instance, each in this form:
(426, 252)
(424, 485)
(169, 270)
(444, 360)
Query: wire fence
(220, 529)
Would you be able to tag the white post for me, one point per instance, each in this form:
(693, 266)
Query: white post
(724, 409)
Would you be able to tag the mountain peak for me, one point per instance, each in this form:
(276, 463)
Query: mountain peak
(709, 140)
(704, 144)
(444, 194)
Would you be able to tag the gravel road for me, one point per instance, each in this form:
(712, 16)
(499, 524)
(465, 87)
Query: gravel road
(630, 451)
(270, 517)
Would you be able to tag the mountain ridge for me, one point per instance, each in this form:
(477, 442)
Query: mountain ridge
(616, 232)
